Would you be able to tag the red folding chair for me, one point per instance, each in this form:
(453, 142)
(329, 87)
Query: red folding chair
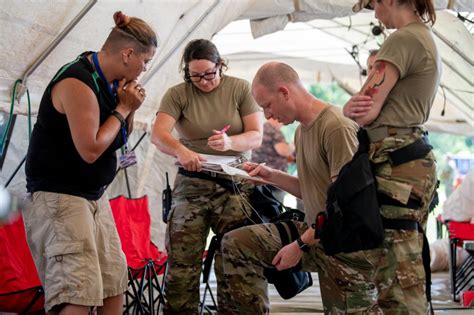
(145, 262)
(20, 287)
(462, 276)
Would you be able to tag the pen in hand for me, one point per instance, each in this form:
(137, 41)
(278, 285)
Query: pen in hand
(223, 130)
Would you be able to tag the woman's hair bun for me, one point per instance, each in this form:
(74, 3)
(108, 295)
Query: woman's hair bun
(121, 19)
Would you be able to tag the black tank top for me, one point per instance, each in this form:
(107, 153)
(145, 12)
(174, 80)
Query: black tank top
(53, 163)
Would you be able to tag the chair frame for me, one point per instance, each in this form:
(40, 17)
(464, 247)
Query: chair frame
(206, 272)
(143, 282)
(462, 276)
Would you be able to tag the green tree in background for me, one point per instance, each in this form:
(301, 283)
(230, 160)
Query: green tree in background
(330, 93)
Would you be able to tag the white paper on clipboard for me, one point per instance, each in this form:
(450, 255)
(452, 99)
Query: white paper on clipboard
(218, 159)
(214, 162)
(233, 171)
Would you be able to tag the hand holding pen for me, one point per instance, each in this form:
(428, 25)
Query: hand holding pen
(220, 141)
(223, 130)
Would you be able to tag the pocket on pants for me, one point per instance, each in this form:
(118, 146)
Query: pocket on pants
(64, 266)
(410, 270)
(415, 179)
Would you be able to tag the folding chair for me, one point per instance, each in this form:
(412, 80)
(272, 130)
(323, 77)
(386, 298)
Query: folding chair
(440, 227)
(20, 287)
(462, 278)
(145, 262)
(208, 257)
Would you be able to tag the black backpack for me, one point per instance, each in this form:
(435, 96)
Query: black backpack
(353, 221)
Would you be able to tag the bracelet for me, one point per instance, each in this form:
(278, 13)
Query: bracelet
(119, 116)
(303, 246)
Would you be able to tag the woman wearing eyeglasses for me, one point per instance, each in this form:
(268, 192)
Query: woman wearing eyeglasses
(393, 105)
(202, 108)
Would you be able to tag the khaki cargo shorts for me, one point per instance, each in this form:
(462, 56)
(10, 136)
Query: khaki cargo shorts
(76, 249)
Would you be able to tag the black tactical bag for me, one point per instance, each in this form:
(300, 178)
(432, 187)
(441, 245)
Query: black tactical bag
(288, 282)
(353, 221)
(268, 209)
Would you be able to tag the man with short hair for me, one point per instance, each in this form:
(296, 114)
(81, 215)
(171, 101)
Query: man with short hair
(324, 141)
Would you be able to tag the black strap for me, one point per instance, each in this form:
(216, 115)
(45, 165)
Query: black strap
(283, 234)
(387, 200)
(287, 238)
(364, 142)
(414, 151)
(289, 214)
(201, 175)
(293, 230)
(225, 183)
(425, 254)
(400, 224)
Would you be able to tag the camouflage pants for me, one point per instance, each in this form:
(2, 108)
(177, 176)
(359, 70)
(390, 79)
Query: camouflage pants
(401, 278)
(346, 280)
(198, 206)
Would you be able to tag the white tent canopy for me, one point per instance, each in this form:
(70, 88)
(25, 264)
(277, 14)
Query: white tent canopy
(319, 50)
(37, 37)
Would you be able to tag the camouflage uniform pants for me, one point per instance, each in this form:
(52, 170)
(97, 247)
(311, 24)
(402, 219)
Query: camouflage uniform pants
(198, 206)
(346, 280)
(401, 278)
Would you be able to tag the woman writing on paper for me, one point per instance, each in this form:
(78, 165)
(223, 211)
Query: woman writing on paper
(200, 109)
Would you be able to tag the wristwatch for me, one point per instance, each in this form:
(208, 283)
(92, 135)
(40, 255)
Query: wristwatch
(302, 245)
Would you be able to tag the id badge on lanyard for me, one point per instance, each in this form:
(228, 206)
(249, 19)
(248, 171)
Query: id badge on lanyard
(127, 158)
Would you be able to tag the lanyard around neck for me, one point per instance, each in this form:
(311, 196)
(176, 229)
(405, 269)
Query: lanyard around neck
(112, 91)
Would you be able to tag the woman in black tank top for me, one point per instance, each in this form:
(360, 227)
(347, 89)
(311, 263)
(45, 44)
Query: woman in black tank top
(85, 115)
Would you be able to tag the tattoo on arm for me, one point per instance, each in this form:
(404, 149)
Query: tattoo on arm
(375, 80)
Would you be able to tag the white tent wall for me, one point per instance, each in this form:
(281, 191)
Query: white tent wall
(28, 27)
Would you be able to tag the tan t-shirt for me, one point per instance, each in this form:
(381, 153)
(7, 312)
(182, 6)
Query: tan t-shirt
(198, 113)
(322, 149)
(413, 52)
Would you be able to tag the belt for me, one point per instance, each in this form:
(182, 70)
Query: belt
(203, 174)
(382, 132)
(400, 224)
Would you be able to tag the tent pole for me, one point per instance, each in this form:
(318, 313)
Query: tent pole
(128, 184)
(149, 74)
(139, 140)
(52, 46)
(15, 172)
(453, 47)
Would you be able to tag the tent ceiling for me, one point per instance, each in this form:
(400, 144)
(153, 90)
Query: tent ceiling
(28, 30)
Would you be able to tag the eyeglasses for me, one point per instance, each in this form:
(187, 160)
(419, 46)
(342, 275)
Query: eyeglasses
(206, 76)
